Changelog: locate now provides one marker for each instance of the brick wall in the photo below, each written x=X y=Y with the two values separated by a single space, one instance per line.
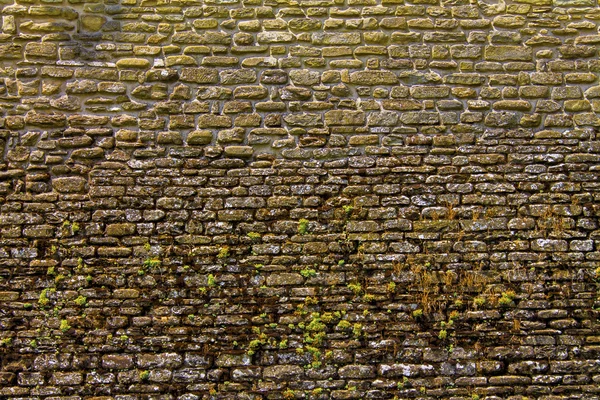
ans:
x=320 y=199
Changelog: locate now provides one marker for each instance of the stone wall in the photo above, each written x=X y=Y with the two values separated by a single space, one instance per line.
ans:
x=321 y=199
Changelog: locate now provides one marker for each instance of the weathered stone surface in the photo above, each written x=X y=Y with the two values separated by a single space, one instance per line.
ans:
x=199 y=137
x=373 y=78
x=421 y=118
x=236 y=77
x=124 y=229
x=250 y=92
x=549 y=245
x=233 y=360
x=117 y=361
x=508 y=53
x=239 y=151
x=284 y=279
x=283 y=372
x=199 y=75
x=214 y=121
x=339 y=117
x=336 y=38
x=160 y=360
x=357 y=372
x=299 y=199
x=69 y=185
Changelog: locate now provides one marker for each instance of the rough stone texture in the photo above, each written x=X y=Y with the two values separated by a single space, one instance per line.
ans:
x=318 y=199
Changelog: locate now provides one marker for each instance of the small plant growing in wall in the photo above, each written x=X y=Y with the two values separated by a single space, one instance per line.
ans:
x=344 y=324
x=402 y=384
x=152 y=262
x=81 y=301
x=66 y=227
x=43 y=299
x=308 y=272
x=453 y=315
x=417 y=314
x=479 y=301
x=443 y=334
x=211 y=281
x=391 y=287
x=64 y=325
x=144 y=375
x=253 y=235
x=355 y=287
x=348 y=209
x=506 y=299
x=303 y=226
x=368 y=297
x=357 y=330
x=223 y=253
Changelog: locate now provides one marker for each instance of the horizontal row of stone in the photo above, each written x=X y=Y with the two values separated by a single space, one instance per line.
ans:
x=299 y=125
x=255 y=18
x=512 y=17
x=173 y=361
x=560 y=73
x=336 y=45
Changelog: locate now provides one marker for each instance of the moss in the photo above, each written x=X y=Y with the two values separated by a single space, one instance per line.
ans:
x=356 y=288
x=303 y=226
x=308 y=272
x=315 y=325
x=43 y=299
x=327 y=317
x=357 y=330
x=253 y=235
x=223 y=253
x=253 y=346
x=81 y=301
x=391 y=287
x=152 y=262
x=211 y=282
x=343 y=324
x=64 y=325
x=144 y=375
